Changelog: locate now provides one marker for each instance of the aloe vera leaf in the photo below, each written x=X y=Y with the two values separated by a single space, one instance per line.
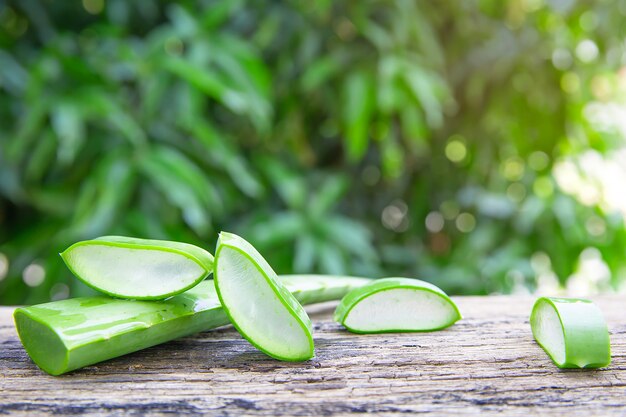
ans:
x=309 y=289
x=392 y=305
x=140 y=269
x=62 y=336
x=572 y=331
x=258 y=305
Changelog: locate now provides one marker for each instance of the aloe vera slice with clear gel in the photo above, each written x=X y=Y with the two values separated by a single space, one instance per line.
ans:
x=259 y=306
x=140 y=269
x=392 y=305
x=572 y=331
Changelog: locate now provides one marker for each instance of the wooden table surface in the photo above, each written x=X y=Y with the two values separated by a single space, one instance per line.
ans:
x=487 y=363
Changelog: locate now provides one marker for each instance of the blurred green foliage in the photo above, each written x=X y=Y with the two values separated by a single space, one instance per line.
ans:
x=374 y=138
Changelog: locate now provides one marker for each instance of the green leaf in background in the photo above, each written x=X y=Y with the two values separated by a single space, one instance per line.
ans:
x=208 y=82
x=67 y=123
x=103 y=197
x=477 y=145
x=358 y=99
x=181 y=182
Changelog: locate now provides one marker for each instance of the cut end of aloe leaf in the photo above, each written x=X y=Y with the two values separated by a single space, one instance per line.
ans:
x=138 y=268
x=258 y=305
x=572 y=332
x=548 y=331
x=51 y=357
x=396 y=305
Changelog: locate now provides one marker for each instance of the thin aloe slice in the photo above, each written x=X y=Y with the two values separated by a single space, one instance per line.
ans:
x=572 y=331
x=139 y=269
x=65 y=335
x=391 y=305
x=258 y=305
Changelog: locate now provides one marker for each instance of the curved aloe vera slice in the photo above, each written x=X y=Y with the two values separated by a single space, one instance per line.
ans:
x=572 y=331
x=392 y=305
x=65 y=335
x=258 y=305
x=139 y=269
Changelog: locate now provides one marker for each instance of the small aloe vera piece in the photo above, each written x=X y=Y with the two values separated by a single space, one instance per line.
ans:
x=139 y=269
x=572 y=331
x=258 y=305
x=391 y=305
x=65 y=335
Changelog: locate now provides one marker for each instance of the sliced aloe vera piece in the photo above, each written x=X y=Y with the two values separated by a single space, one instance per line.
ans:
x=139 y=269
x=572 y=331
x=392 y=305
x=65 y=335
x=258 y=305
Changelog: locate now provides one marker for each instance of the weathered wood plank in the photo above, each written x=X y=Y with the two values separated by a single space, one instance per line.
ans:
x=487 y=363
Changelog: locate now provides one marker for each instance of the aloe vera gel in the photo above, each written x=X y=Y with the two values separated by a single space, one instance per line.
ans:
x=391 y=305
x=572 y=331
x=258 y=305
x=139 y=269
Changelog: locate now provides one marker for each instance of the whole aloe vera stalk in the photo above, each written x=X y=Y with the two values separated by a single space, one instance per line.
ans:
x=66 y=335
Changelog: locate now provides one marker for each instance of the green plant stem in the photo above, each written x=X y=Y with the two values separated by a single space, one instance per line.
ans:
x=70 y=334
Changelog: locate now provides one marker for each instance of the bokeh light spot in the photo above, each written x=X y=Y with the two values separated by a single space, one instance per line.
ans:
x=587 y=50
x=394 y=216
x=513 y=169
x=570 y=83
x=562 y=59
x=516 y=192
x=93 y=6
x=4 y=266
x=543 y=187
x=530 y=6
x=589 y=21
x=465 y=222
x=450 y=209
x=538 y=161
x=59 y=291
x=33 y=275
x=434 y=222
x=455 y=149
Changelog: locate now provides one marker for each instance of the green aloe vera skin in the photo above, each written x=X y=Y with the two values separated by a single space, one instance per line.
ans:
x=572 y=331
x=393 y=305
x=259 y=306
x=139 y=269
x=70 y=334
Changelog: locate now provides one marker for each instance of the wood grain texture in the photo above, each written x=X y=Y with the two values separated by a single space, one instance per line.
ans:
x=486 y=364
